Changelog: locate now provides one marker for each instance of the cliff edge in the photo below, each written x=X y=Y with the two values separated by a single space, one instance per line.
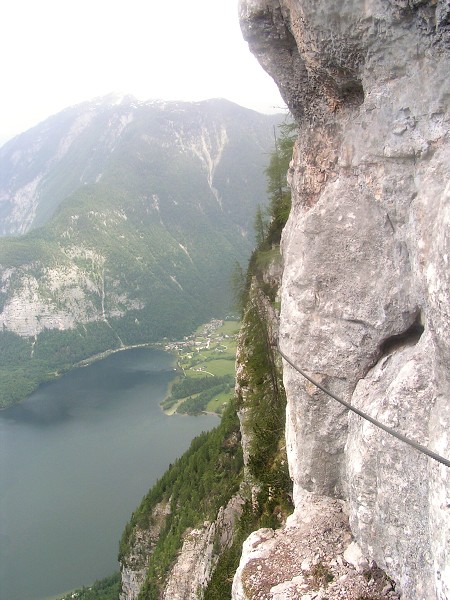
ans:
x=365 y=290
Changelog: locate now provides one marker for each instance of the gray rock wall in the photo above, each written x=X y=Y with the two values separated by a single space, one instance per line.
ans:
x=133 y=568
x=365 y=292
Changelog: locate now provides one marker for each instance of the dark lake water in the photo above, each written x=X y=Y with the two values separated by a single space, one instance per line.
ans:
x=75 y=460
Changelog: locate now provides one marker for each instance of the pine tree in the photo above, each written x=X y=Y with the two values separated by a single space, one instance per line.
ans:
x=277 y=185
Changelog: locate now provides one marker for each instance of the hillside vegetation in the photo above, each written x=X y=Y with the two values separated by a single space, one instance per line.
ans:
x=196 y=486
x=212 y=471
x=142 y=247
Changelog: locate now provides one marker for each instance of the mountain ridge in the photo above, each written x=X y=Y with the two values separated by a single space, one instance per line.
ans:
x=29 y=189
x=142 y=248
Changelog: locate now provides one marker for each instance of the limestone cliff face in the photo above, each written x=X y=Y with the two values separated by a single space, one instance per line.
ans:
x=365 y=303
x=134 y=568
x=61 y=295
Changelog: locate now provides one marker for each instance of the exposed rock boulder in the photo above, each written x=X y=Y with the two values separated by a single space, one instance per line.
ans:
x=365 y=303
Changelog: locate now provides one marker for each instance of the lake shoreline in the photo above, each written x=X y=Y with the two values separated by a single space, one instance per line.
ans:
x=101 y=355
x=89 y=445
x=86 y=362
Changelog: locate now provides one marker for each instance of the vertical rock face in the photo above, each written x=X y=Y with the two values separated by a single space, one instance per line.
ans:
x=365 y=302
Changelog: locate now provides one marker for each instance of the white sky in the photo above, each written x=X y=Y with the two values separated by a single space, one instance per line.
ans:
x=56 y=53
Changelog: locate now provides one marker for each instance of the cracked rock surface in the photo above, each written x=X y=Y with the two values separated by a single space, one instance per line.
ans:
x=365 y=304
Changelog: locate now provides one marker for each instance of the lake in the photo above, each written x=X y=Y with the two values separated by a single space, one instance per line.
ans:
x=75 y=460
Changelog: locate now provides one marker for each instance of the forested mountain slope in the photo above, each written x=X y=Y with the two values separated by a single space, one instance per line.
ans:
x=144 y=210
x=184 y=540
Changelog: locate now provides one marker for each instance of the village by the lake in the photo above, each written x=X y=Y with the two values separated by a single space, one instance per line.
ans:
x=206 y=364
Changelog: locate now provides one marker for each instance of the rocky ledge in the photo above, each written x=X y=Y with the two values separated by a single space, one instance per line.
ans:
x=312 y=558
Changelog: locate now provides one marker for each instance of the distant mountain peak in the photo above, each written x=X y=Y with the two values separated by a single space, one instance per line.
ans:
x=45 y=165
x=116 y=99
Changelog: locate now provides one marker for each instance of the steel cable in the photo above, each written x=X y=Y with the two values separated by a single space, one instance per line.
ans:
x=367 y=417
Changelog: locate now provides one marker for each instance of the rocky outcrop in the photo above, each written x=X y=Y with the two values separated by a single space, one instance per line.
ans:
x=134 y=567
x=60 y=295
x=190 y=574
x=312 y=557
x=365 y=304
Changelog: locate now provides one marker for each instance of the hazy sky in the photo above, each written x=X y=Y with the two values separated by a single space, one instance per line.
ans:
x=56 y=53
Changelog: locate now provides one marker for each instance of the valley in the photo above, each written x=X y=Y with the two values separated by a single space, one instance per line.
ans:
x=157 y=206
